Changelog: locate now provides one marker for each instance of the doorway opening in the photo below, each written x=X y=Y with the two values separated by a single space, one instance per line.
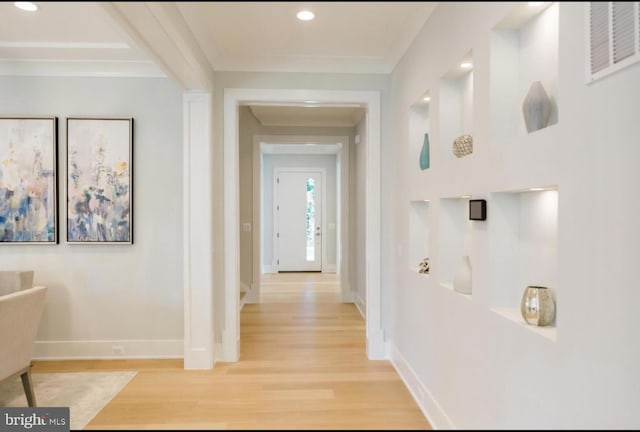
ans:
x=327 y=155
x=370 y=101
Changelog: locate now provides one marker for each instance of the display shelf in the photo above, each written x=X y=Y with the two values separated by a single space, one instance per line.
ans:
x=456 y=104
x=523 y=230
x=449 y=286
x=419 y=233
x=419 y=125
x=454 y=239
x=524 y=49
x=514 y=315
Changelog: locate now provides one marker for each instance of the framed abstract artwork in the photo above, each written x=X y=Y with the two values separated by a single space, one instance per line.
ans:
x=100 y=180
x=28 y=180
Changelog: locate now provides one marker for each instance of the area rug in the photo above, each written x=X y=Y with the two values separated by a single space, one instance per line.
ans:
x=85 y=393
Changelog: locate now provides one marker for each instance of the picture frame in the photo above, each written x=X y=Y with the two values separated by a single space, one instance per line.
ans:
x=99 y=180
x=28 y=180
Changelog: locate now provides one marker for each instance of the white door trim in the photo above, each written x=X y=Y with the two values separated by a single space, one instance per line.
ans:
x=276 y=244
x=233 y=97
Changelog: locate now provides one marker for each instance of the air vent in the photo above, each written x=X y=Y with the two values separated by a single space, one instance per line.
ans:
x=613 y=37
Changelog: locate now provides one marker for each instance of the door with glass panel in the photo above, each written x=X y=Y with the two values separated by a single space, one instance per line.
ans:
x=297 y=220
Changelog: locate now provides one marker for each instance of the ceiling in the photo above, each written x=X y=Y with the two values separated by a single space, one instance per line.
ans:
x=308 y=115
x=188 y=41
x=357 y=37
x=67 y=38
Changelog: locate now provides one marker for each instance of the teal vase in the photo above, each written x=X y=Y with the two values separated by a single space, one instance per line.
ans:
x=424 y=154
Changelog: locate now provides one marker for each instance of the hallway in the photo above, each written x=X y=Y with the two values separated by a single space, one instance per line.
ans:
x=308 y=351
x=302 y=366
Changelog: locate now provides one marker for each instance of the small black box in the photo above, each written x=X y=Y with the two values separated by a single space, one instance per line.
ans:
x=477 y=209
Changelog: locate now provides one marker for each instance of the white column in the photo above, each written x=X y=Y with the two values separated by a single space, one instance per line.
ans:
x=198 y=231
x=231 y=332
x=375 y=333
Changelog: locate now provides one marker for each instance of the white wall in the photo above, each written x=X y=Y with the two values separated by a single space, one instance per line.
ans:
x=104 y=295
x=358 y=210
x=469 y=366
x=270 y=163
x=248 y=127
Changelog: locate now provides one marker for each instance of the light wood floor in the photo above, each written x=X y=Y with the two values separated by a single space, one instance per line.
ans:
x=302 y=366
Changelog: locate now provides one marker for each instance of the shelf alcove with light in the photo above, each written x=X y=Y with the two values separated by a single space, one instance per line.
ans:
x=419 y=125
x=455 y=239
x=419 y=233
x=456 y=105
x=523 y=250
x=524 y=49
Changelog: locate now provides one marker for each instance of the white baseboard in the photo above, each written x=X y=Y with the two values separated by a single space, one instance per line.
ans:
x=229 y=346
x=266 y=269
x=346 y=294
x=244 y=287
x=376 y=345
x=253 y=296
x=110 y=349
x=218 y=351
x=361 y=305
x=425 y=400
x=329 y=268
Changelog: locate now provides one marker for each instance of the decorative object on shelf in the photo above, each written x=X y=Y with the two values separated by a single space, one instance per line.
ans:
x=463 y=145
x=538 y=307
x=424 y=153
x=423 y=268
x=477 y=209
x=462 y=279
x=536 y=107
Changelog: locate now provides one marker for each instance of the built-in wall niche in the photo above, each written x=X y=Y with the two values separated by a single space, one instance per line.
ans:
x=523 y=232
x=524 y=50
x=456 y=104
x=419 y=151
x=418 y=234
x=455 y=239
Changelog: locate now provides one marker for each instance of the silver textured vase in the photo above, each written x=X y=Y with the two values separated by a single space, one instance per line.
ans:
x=536 y=107
x=538 y=307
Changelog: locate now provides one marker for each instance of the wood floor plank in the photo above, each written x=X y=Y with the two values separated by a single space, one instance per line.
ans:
x=302 y=365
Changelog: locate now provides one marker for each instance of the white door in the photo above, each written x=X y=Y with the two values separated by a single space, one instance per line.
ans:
x=298 y=220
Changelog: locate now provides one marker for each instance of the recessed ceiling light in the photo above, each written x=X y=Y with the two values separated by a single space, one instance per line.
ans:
x=466 y=65
x=465 y=196
x=534 y=4
x=306 y=15
x=536 y=189
x=426 y=98
x=28 y=6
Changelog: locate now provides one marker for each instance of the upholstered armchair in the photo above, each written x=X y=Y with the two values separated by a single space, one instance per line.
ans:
x=20 y=314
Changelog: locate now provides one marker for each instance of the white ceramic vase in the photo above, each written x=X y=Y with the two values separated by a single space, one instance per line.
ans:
x=462 y=279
